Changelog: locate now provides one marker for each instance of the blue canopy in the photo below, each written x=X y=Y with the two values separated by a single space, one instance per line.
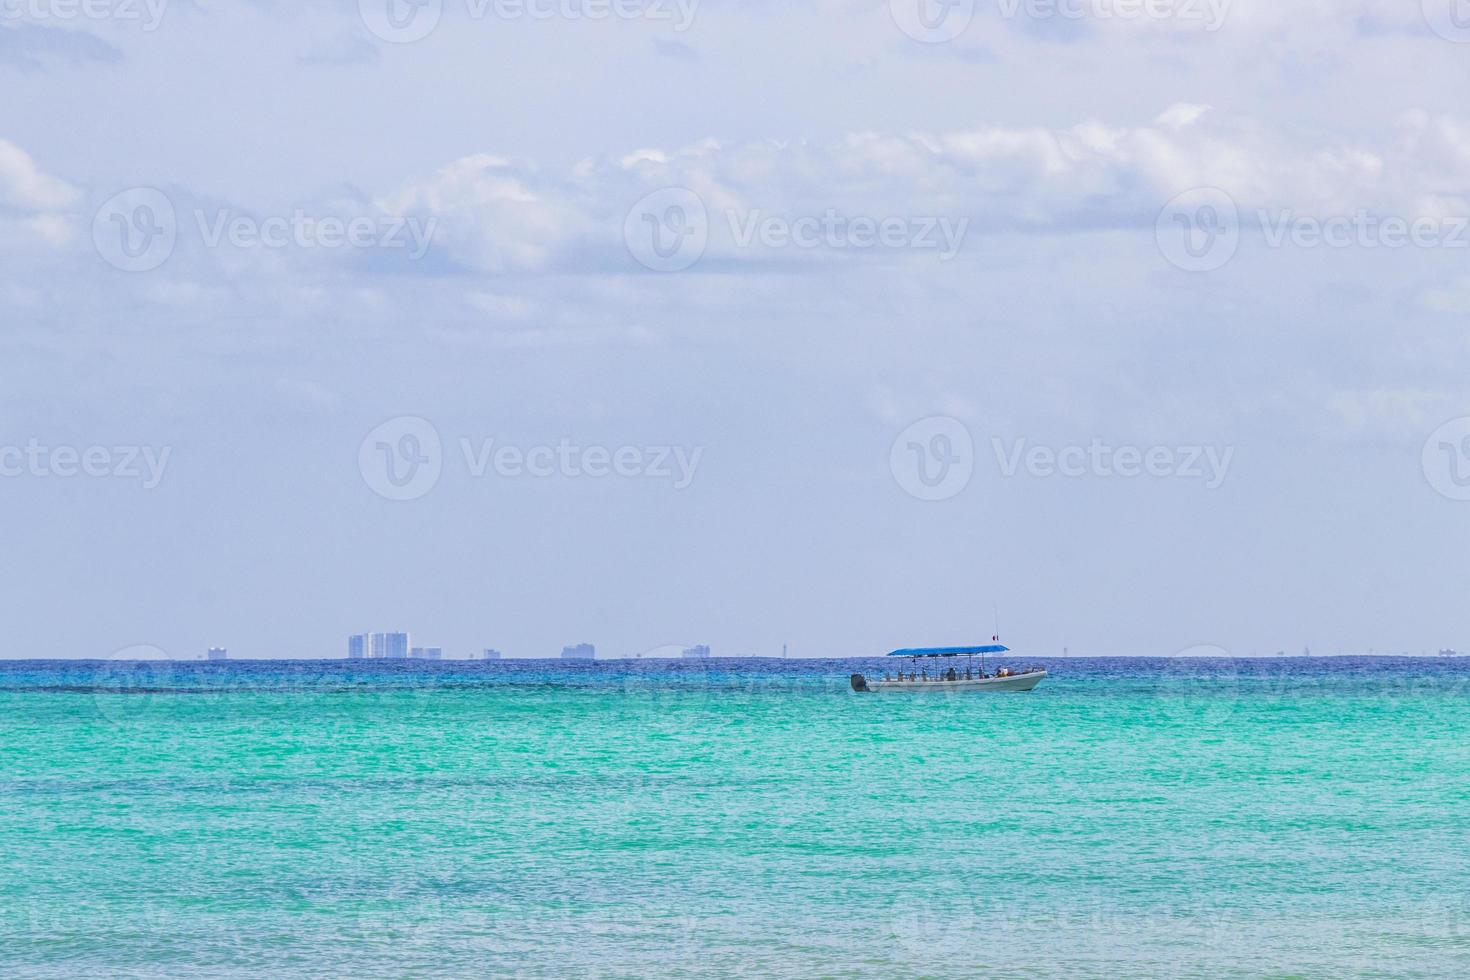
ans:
x=948 y=651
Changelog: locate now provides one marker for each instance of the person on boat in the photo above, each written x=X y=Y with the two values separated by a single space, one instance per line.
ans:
x=951 y=675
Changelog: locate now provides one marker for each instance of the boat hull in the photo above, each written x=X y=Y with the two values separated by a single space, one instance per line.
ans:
x=1016 y=682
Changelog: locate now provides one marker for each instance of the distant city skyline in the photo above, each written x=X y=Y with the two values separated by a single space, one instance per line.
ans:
x=389 y=646
x=588 y=652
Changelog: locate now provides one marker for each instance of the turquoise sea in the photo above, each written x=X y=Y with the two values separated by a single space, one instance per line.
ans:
x=1129 y=818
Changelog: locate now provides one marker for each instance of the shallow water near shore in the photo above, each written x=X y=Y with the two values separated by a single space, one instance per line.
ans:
x=1128 y=817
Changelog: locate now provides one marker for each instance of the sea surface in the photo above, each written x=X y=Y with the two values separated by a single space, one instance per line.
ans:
x=1128 y=818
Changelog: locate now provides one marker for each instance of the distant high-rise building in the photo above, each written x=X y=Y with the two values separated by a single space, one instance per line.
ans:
x=357 y=646
x=218 y=653
x=427 y=653
x=389 y=646
x=700 y=652
x=490 y=654
x=582 y=651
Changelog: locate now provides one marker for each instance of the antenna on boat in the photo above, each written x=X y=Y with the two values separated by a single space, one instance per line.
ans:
x=994 y=637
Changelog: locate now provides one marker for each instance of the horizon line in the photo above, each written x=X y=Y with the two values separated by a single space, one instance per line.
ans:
x=1438 y=655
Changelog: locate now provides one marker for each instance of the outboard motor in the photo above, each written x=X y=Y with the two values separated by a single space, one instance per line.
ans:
x=859 y=683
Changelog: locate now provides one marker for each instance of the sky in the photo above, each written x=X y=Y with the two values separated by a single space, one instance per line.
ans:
x=1137 y=326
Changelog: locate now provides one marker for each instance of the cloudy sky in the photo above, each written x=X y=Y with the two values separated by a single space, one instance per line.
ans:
x=836 y=323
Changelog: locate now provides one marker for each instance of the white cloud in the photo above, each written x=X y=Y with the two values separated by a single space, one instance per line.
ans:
x=500 y=217
x=23 y=186
x=35 y=47
x=53 y=229
x=34 y=206
x=497 y=216
x=1181 y=114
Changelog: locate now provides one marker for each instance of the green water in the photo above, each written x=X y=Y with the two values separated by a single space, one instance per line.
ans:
x=1120 y=821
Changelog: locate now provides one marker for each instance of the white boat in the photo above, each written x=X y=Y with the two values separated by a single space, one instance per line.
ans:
x=1021 y=681
x=920 y=680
